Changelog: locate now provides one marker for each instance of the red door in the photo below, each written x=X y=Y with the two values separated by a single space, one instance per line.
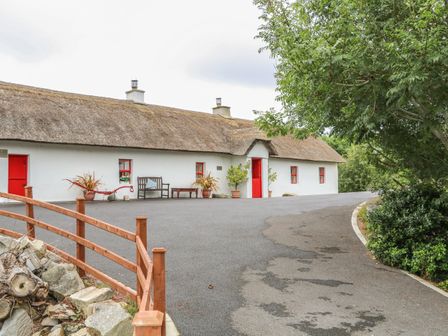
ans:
x=17 y=174
x=256 y=179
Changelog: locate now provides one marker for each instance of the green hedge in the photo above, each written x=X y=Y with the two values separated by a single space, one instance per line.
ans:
x=409 y=230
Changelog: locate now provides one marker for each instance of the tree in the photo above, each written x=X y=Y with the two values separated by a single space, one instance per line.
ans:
x=374 y=72
x=362 y=171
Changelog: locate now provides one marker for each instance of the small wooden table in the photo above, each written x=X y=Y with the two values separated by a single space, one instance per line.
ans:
x=179 y=190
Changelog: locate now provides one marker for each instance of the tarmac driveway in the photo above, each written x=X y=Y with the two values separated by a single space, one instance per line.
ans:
x=281 y=266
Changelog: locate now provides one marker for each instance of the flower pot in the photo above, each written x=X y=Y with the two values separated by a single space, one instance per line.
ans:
x=236 y=194
x=269 y=193
x=89 y=195
x=206 y=193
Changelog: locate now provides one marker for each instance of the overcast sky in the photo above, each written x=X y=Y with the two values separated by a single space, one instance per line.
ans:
x=184 y=53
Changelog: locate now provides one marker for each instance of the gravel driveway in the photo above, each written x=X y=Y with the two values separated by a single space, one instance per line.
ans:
x=280 y=266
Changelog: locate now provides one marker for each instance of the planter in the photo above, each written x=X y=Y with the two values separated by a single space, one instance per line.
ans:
x=206 y=193
x=236 y=194
x=269 y=193
x=89 y=195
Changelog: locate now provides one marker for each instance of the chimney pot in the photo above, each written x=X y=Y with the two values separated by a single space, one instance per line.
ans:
x=134 y=84
x=218 y=101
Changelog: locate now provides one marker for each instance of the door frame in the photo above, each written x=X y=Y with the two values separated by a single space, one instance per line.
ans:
x=27 y=177
x=260 y=168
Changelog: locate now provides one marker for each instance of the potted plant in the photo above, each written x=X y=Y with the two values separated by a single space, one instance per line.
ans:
x=89 y=184
x=237 y=175
x=272 y=177
x=208 y=184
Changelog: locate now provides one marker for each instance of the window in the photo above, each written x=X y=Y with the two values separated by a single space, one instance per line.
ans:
x=293 y=174
x=125 y=170
x=321 y=175
x=199 y=169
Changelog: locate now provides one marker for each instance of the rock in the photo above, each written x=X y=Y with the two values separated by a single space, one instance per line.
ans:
x=60 y=312
x=71 y=328
x=62 y=278
x=31 y=259
x=38 y=247
x=49 y=322
x=6 y=243
x=90 y=295
x=19 y=324
x=57 y=331
x=81 y=332
x=109 y=319
x=42 y=332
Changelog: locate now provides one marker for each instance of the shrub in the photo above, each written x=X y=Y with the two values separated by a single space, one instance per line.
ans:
x=443 y=285
x=237 y=175
x=409 y=229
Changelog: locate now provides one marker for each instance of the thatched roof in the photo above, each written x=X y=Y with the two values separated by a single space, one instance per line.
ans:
x=41 y=115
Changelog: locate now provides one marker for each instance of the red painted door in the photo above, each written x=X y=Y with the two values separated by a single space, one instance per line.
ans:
x=257 y=185
x=17 y=174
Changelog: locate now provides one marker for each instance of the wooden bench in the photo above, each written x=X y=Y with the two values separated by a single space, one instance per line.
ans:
x=179 y=190
x=143 y=188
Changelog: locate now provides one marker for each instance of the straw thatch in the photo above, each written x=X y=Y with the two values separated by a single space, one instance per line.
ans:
x=41 y=115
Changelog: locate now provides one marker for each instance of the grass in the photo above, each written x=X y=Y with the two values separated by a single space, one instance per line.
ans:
x=131 y=307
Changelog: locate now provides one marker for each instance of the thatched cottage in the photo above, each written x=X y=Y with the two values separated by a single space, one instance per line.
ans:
x=47 y=136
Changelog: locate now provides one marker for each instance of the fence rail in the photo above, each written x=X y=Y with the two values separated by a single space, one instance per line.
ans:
x=149 y=295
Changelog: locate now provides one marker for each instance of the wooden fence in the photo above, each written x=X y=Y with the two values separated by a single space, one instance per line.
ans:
x=150 y=273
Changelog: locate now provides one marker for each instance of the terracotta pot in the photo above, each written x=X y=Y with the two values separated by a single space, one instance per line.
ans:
x=206 y=193
x=236 y=194
x=269 y=193
x=89 y=195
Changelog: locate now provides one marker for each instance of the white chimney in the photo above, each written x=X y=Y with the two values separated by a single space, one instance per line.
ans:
x=136 y=95
x=221 y=110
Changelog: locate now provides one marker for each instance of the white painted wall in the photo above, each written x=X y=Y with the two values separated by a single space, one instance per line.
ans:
x=3 y=173
x=50 y=164
x=308 y=177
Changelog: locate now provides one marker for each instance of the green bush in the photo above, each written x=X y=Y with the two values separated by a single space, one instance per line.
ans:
x=443 y=285
x=409 y=229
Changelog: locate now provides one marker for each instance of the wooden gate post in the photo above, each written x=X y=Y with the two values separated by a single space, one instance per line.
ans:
x=158 y=255
x=81 y=232
x=29 y=213
x=148 y=323
x=141 y=227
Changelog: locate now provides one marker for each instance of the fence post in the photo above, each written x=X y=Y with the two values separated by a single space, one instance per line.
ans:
x=30 y=213
x=148 y=323
x=81 y=232
x=158 y=255
x=141 y=227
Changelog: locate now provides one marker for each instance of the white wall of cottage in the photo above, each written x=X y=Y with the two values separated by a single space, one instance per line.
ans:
x=50 y=164
x=308 y=182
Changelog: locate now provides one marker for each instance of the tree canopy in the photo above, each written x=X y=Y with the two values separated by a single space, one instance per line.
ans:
x=371 y=71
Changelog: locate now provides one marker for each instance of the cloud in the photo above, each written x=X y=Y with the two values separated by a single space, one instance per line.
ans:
x=235 y=65
x=22 y=41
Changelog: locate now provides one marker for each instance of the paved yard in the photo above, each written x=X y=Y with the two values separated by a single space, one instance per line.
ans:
x=286 y=266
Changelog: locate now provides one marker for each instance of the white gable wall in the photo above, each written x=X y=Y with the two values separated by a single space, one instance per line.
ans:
x=259 y=151
x=308 y=177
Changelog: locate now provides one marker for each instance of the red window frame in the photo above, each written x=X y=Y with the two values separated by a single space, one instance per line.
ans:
x=321 y=175
x=200 y=168
x=294 y=174
x=124 y=170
